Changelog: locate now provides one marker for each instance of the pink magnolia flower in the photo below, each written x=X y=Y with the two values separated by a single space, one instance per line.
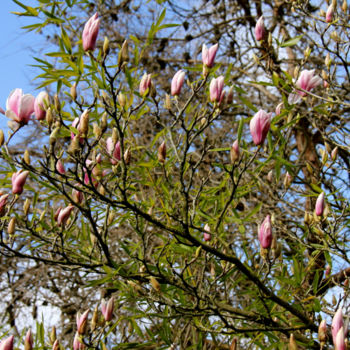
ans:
x=177 y=82
x=107 y=309
x=234 y=153
x=306 y=81
x=41 y=103
x=81 y=322
x=19 y=107
x=340 y=340
x=113 y=150
x=320 y=204
x=3 y=202
x=208 y=55
x=7 y=344
x=260 y=30
x=145 y=84
x=60 y=167
x=77 y=196
x=90 y=33
x=18 y=181
x=259 y=126
x=216 y=89
x=329 y=13
x=265 y=233
x=77 y=344
x=337 y=323
x=63 y=215
x=207 y=235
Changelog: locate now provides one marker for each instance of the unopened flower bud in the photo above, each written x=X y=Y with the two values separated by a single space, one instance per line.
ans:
x=229 y=96
x=335 y=36
x=269 y=176
x=334 y=154
x=49 y=116
x=287 y=180
x=104 y=122
x=84 y=123
x=127 y=156
x=54 y=135
x=307 y=52
x=167 y=102
x=162 y=152
x=234 y=152
x=11 y=226
x=292 y=343
x=105 y=47
x=123 y=55
x=265 y=233
x=94 y=319
x=82 y=321
x=73 y=91
x=57 y=103
x=26 y=206
x=26 y=157
x=260 y=31
x=28 y=340
x=328 y=61
x=329 y=14
x=2 y=137
x=320 y=204
x=207 y=235
x=56 y=345
x=322 y=332
x=107 y=309
x=344 y=6
x=155 y=284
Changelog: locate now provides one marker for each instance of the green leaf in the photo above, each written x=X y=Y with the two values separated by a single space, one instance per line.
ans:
x=292 y=42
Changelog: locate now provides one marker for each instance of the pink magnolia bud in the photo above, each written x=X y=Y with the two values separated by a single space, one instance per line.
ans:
x=64 y=215
x=216 y=89
x=145 y=84
x=260 y=30
x=208 y=55
x=334 y=154
x=328 y=271
x=77 y=344
x=28 y=340
x=337 y=323
x=307 y=81
x=259 y=126
x=177 y=82
x=3 y=202
x=278 y=108
x=77 y=196
x=265 y=233
x=234 y=153
x=207 y=235
x=18 y=181
x=329 y=13
x=82 y=321
x=19 y=107
x=113 y=150
x=41 y=104
x=60 y=167
x=320 y=204
x=56 y=345
x=90 y=33
x=340 y=340
x=7 y=344
x=107 y=309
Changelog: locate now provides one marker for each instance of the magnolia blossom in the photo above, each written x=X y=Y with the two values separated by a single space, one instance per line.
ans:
x=77 y=343
x=177 y=82
x=18 y=181
x=208 y=55
x=216 y=89
x=320 y=204
x=90 y=33
x=3 y=202
x=234 y=152
x=207 y=235
x=81 y=322
x=259 y=126
x=145 y=84
x=7 y=344
x=340 y=340
x=329 y=13
x=306 y=81
x=28 y=340
x=265 y=233
x=337 y=323
x=260 y=30
x=107 y=309
x=19 y=107
x=63 y=215
x=41 y=104
x=113 y=150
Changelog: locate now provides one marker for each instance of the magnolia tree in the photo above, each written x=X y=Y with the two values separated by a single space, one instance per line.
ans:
x=206 y=200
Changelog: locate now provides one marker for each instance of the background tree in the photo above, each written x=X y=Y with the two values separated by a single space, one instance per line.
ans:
x=203 y=242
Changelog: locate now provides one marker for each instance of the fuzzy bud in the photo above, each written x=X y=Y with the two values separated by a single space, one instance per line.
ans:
x=105 y=47
x=234 y=152
x=207 y=235
x=121 y=99
x=123 y=55
x=26 y=206
x=11 y=226
x=73 y=91
x=162 y=152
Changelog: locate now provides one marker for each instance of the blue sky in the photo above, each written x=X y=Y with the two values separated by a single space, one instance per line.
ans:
x=16 y=51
